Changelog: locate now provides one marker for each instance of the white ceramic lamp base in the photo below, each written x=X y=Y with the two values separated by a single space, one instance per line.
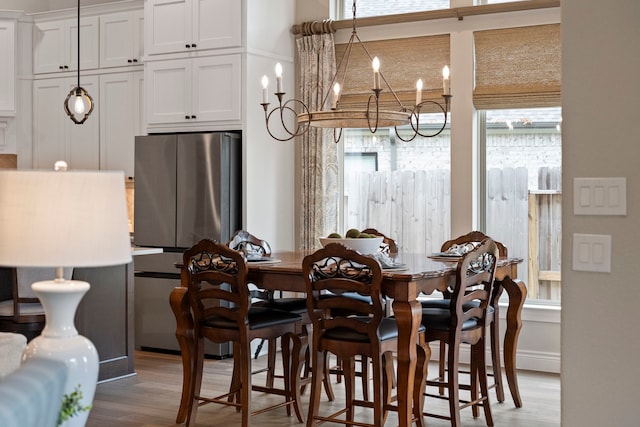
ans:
x=60 y=340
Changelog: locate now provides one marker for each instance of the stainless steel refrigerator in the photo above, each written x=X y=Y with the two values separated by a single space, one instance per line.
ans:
x=187 y=187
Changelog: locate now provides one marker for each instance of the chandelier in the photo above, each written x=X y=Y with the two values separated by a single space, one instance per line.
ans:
x=330 y=115
x=78 y=104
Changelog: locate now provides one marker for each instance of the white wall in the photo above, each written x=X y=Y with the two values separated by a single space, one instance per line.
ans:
x=601 y=138
x=268 y=164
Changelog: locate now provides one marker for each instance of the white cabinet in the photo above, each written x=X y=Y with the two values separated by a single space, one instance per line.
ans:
x=56 y=45
x=7 y=67
x=190 y=25
x=121 y=38
x=205 y=89
x=121 y=116
x=55 y=136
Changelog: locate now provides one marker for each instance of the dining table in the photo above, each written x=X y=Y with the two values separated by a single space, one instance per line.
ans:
x=412 y=277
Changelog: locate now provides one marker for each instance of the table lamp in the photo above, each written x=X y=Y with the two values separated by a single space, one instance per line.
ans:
x=64 y=219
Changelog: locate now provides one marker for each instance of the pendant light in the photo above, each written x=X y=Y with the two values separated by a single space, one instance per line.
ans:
x=79 y=103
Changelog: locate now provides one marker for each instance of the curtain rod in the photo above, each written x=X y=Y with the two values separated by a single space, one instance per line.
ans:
x=330 y=26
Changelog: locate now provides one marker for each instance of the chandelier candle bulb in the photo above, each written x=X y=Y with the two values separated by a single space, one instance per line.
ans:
x=376 y=73
x=336 y=96
x=278 y=78
x=265 y=87
x=446 y=83
x=419 y=91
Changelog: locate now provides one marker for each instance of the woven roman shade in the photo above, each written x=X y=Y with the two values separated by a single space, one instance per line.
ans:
x=402 y=62
x=517 y=67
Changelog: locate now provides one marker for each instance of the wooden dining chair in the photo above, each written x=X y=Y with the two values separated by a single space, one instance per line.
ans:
x=389 y=247
x=215 y=278
x=348 y=327
x=473 y=238
x=464 y=321
x=250 y=245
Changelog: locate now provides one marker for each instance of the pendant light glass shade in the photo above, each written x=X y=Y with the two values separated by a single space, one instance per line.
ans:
x=78 y=105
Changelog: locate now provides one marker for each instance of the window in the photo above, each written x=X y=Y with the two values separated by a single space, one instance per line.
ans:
x=408 y=196
x=361 y=162
x=523 y=184
x=385 y=7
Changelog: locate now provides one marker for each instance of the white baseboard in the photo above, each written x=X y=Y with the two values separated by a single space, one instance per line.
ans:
x=527 y=360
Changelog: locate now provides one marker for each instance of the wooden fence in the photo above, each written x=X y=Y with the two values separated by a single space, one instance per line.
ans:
x=414 y=207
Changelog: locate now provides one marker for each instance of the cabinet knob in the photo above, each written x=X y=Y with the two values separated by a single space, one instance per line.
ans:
x=193 y=45
x=135 y=60
x=129 y=61
x=61 y=67
x=187 y=117
x=66 y=67
x=187 y=46
x=193 y=117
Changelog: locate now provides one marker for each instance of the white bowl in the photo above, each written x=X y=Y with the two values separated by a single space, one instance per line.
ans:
x=367 y=246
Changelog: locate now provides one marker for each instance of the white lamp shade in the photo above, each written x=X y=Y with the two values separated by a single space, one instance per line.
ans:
x=63 y=219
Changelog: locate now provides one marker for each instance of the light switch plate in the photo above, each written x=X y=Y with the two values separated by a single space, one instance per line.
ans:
x=600 y=196
x=592 y=252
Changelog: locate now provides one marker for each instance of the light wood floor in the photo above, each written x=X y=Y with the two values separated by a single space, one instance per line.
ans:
x=151 y=398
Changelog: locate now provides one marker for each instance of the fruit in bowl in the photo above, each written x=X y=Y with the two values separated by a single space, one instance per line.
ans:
x=362 y=242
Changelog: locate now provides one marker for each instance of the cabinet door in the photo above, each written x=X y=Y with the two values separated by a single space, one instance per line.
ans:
x=7 y=67
x=139 y=107
x=226 y=32
x=138 y=34
x=117 y=117
x=168 y=26
x=89 y=43
x=168 y=91
x=49 y=122
x=56 y=45
x=217 y=88
x=49 y=45
x=121 y=39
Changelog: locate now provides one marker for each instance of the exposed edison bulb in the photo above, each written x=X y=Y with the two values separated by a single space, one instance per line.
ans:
x=78 y=105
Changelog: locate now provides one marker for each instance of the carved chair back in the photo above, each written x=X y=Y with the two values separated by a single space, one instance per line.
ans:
x=216 y=278
x=339 y=270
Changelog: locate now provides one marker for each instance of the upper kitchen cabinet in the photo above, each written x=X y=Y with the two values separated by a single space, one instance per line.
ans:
x=7 y=68
x=121 y=39
x=192 y=91
x=192 y=25
x=56 y=45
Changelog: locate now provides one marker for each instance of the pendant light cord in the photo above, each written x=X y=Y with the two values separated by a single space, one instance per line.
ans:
x=78 y=43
